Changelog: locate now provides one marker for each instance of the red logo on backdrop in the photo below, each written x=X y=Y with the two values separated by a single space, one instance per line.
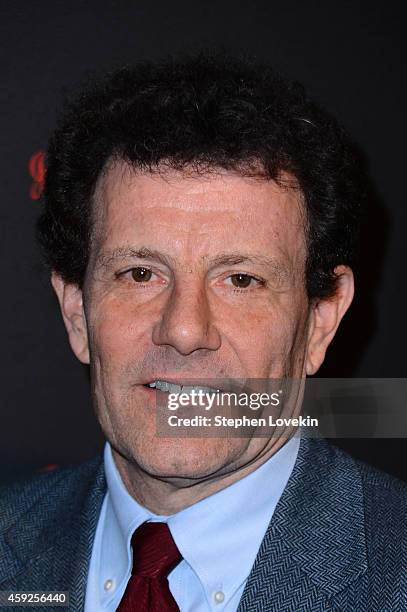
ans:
x=48 y=468
x=36 y=168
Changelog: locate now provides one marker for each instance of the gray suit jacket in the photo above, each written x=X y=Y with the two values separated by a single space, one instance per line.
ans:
x=336 y=542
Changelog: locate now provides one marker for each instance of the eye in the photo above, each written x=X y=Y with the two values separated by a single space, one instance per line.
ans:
x=243 y=281
x=141 y=275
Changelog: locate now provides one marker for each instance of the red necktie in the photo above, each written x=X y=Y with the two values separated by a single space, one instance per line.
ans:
x=155 y=554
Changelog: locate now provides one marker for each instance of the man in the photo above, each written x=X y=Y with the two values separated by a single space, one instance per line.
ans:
x=200 y=223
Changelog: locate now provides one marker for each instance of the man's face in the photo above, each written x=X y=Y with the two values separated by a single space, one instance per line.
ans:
x=190 y=277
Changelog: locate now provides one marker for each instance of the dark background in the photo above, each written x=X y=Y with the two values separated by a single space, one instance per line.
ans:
x=351 y=57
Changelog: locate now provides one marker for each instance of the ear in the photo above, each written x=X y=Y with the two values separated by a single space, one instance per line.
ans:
x=326 y=314
x=73 y=314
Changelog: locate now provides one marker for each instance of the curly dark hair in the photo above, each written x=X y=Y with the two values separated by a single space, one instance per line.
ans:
x=205 y=111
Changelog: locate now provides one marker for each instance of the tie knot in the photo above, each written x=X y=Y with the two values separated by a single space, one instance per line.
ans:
x=155 y=553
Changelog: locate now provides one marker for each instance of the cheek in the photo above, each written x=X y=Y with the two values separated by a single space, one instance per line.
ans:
x=266 y=339
x=118 y=331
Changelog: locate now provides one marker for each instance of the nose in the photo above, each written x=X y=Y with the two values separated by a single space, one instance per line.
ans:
x=186 y=323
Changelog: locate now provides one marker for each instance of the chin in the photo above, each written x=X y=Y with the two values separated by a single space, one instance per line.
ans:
x=185 y=458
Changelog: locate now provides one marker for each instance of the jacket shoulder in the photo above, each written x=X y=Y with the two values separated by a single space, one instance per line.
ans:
x=382 y=492
x=383 y=585
x=61 y=485
x=385 y=500
x=380 y=488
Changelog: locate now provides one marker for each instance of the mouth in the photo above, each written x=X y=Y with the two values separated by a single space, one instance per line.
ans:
x=172 y=387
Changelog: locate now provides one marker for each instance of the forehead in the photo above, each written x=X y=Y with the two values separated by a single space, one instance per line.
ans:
x=197 y=213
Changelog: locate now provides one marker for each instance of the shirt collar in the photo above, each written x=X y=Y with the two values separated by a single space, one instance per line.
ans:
x=237 y=517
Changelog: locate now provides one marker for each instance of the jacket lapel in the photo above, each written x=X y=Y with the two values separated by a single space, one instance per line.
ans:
x=49 y=546
x=314 y=547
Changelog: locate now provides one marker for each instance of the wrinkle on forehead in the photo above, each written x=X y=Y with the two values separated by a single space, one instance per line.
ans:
x=194 y=181
x=222 y=192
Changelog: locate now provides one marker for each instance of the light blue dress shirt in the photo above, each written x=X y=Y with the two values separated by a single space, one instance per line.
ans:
x=218 y=537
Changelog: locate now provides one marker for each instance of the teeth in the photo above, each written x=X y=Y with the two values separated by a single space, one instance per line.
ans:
x=166 y=387
x=189 y=389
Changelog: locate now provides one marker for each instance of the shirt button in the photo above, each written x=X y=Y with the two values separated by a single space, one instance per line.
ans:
x=219 y=597
x=108 y=585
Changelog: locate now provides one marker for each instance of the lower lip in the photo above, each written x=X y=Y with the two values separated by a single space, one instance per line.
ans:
x=149 y=390
x=152 y=391
x=155 y=397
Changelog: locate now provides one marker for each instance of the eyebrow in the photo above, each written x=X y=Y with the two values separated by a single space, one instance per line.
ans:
x=106 y=258
x=232 y=259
